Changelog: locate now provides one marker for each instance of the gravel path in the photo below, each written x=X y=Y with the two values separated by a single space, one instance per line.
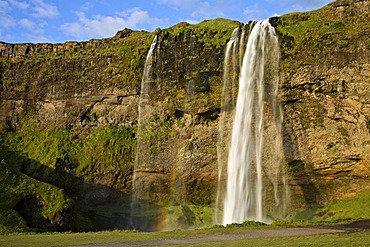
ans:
x=247 y=234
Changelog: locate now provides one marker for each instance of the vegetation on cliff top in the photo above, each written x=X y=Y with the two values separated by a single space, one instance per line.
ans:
x=326 y=35
x=117 y=61
x=113 y=62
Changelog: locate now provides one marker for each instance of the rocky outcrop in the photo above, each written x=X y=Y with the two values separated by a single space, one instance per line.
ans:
x=17 y=51
x=71 y=83
x=352 y=7
x=29 y=209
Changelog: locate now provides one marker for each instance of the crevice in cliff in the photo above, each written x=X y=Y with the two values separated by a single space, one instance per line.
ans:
x=210 y=115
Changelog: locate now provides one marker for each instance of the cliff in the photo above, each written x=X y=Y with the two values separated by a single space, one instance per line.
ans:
x=326 y=100
x=70 y=113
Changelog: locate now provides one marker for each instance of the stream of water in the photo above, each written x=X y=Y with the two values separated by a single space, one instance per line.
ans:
x=255 y=153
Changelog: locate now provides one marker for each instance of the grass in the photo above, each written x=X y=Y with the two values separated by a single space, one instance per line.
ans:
x=337 y=212
x=339 y=239
x=360 y=238
x=355 y=207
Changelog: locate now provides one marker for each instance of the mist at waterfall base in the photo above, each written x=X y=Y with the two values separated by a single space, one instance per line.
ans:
x=254 y=185
x=251 y=180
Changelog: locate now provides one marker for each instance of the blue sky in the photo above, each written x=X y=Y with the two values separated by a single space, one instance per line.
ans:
x=55 y=21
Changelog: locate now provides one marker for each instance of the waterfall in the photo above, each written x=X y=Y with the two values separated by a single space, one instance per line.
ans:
x=255 y=155
x=144 y=111
x=232 y=62
x=143 y=164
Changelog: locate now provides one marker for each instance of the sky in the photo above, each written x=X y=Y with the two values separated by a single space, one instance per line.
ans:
x=58 y=21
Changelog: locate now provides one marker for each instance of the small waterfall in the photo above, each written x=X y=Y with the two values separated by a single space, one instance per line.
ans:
x=255 y=157
x=140 y=193
x=147 y=81
x=147 y=84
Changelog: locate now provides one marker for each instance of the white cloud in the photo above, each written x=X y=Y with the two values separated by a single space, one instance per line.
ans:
x=206 y=10
x=4 y=36
x=26 y=23
x=190 y=21
x=37 y=37
x=19 y=4
x=6 y=21
x=33 y=31
x=43 y=10
x=28 y=16
x=105 y=26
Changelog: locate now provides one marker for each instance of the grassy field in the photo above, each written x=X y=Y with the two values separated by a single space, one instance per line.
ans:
x=354 y=238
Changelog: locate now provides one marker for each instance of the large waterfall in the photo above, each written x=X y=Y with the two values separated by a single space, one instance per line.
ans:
x=255 y=174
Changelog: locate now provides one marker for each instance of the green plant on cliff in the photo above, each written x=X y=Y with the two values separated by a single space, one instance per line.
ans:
x=212 y=33
x=107 y=150
x=86 y=63
x=189 y=73
x=15 y=186
x=57 y=157
x=44 y=146
x=155 y=131
x=320 y=35
x=1 y=75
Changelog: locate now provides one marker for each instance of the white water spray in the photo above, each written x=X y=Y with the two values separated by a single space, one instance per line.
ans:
x=253 y=159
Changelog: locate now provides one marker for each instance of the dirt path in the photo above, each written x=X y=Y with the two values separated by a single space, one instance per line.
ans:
x=247 y=234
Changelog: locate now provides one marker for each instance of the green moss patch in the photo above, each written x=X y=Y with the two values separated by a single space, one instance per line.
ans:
x=15 y=187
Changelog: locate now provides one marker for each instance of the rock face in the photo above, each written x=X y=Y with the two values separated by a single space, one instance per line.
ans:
x=354 y=6
x=82 y=88
x=326 y=106
x=67 y=84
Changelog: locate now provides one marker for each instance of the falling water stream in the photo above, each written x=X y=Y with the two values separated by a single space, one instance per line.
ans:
x=140 y=190
x=231 y=66
x=255 y=152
